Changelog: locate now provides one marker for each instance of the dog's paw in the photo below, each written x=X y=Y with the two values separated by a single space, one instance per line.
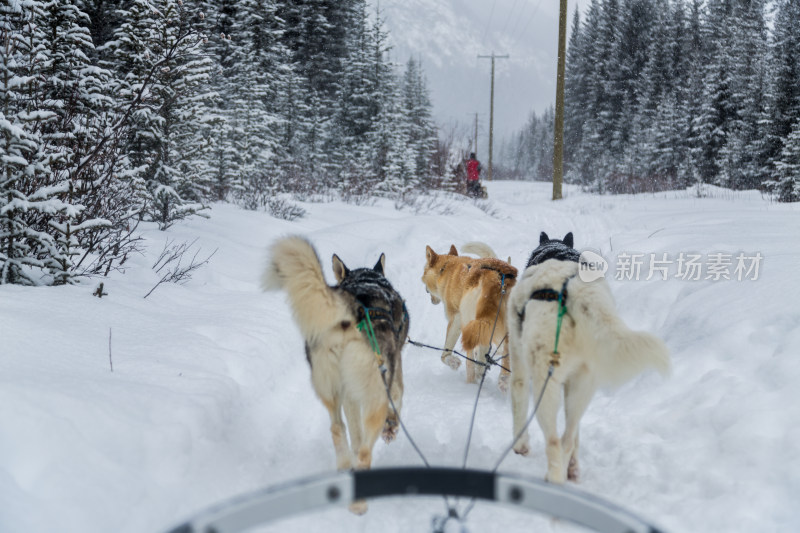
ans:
x=522 y=448
x=358 y=507
x=451 y=360
x=389 y=431
x=502 y=382
x=573 y=471
x=555 y=475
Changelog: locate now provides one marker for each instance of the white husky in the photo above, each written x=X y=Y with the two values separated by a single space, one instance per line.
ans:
x=595 y=348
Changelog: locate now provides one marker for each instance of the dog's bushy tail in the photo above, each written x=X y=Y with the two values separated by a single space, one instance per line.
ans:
x=294 y=266
x=628 y=353
x=481 y=249
x=633 y=353
x=621 y=352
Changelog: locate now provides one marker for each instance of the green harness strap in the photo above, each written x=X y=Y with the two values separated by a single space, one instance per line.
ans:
x=366 y=326
x=562 y=310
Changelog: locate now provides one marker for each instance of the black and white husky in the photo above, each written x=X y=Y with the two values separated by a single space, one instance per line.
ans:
x=595 y=349
x=337 y=324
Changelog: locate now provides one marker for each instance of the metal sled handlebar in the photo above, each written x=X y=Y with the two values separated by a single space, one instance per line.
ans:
x=342 y=488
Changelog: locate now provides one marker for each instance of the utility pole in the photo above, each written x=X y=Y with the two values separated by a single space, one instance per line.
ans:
x=558 y=136
x=491 y=111
x=475 y=139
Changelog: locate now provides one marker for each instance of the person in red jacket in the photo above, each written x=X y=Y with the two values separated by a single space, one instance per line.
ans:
x=473 y=176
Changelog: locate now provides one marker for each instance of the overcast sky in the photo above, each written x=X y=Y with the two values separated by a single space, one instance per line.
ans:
x=448 y=35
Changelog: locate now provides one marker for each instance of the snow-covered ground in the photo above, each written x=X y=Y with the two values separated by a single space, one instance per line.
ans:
x=210 y=395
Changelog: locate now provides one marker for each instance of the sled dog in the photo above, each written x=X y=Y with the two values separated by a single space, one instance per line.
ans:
x=335 y=322
x=471 y=291
x=595 y=349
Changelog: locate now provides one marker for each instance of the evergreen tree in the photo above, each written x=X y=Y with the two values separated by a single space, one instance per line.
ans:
x=26 y=197
x=786 y=184
x=783 y=98
x=157 y=45
x=576 y=100
x=417 y=112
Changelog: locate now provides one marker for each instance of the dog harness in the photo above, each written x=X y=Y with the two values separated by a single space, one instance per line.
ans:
x=366 y=315
x=379 y=313
x=550 y=295
x=504 y=275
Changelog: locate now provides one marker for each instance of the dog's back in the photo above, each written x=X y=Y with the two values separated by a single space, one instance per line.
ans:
x=493 y=280
x=374 y=297
x=592 y=332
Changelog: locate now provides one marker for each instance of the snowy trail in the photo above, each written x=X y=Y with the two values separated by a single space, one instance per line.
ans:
x=210 y=394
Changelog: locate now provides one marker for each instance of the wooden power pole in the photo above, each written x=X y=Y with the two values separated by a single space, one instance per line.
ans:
x=491 y=112
x=558 y=136
x=475 y=141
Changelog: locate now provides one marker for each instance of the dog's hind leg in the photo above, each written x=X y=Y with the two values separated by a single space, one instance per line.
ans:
x=344 y=458
x=352 y=411
x=392 y=424
x=520 y=394
x=547 y=416
x=374 y=421
x=505 y=375
x=578 y=392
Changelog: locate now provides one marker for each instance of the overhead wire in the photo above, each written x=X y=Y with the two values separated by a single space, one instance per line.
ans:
x=527 y=23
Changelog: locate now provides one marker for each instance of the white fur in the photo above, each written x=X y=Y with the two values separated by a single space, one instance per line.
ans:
x=596 y=350
x=344 y=369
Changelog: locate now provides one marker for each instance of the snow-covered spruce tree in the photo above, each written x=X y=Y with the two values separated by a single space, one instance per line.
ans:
x=421 y=130
x=659 y=149
x=742 y=156
x=26 y=194
x=224 y=160
x=587 y=154
x=70 y=201
x=576 y=108
x=728 y=126
x=786 y=185
x=394 y=161
x=93 y=234
x=392 y=149
x=630 y=55
x=250 y=83
x=783 y=99
x=158 y=46
x=318 y=36
x=363 y=81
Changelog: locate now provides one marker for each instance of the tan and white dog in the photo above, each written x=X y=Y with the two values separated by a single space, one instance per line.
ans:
x=345 y=371
x=474 y=292
x=595 y=349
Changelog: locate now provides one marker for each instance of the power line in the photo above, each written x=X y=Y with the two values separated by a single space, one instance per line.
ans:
x=527 y=23
x=489 y=21
x=508 y=19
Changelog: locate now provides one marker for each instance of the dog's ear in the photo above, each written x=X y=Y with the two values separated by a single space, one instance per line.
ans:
x=380 y=265
x=543 y=238
x=568 y=240
x=339 y=270
x=453 y=250
x=430 y=255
